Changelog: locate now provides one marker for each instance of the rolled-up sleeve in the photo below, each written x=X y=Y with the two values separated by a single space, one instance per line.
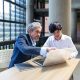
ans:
x=71 y=45
x=43 y=50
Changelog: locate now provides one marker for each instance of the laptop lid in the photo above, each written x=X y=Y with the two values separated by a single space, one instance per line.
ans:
x=53 y=57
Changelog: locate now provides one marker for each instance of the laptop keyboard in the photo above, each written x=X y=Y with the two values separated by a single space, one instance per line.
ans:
x=39 y=61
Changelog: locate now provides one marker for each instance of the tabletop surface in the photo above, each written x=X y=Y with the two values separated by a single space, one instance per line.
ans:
x=55 y=72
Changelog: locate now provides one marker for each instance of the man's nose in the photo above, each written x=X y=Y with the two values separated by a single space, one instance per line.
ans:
x=38 y=34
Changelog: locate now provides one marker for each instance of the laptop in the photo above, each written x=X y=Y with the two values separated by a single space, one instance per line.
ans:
x=39 y=61
x=23 y=66
x=53 y=57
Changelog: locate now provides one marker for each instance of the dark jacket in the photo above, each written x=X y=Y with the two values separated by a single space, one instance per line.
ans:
x=23 y=50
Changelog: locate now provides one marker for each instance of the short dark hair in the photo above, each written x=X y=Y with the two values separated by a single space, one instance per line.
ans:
x=55 y=26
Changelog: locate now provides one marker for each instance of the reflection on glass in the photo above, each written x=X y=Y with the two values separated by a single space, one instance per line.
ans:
x=24 y=3
x=21 y=2
x=17 y=13
x=1 y=9
x=17 y=1
x=12 y=31
x=22 y=28
x=12 y=12
x=24 y=17
x=1 y=31
x=6 y=11
x=7 y=31
x=21 y=15
x=17 y=30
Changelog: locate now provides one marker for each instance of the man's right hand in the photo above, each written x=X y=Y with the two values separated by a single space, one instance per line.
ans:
x=50 y=48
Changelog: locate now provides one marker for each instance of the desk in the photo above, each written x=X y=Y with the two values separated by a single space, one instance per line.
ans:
x=57 y=72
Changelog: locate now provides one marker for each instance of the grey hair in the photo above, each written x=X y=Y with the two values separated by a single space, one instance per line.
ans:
x=33 y=26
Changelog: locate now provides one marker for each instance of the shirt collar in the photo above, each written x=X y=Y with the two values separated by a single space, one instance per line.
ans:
x=62 y=38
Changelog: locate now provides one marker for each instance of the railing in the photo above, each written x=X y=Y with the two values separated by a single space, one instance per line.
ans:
x=10 y=44
x=7 y=44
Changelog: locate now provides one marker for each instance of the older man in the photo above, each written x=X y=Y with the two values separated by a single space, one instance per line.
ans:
x=25 y=44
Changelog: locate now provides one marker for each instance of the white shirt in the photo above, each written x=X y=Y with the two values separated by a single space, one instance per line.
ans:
x=33 y=42
x=64 y=42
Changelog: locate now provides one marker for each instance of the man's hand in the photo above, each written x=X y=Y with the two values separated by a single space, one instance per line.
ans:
x=50 y=48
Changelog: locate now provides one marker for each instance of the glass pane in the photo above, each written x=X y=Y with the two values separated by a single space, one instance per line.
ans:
x=17 y=29
x=7 y=31
x=6 y=11
x=1 y=9
x=21 y=14
x=24 y=29
x=24 y=3
x=12 y=31
x=17 y=1
x=21 y=29
x=1 y=31
x=17 y=13
x=21 y=3
x=24 y=16
x=12 y=12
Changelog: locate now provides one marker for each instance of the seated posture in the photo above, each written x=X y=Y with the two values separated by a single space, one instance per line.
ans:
x=25 y=45
x=58 y=40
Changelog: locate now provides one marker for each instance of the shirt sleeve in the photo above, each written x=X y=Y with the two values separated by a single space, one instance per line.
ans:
x=71 y=45
x=43 y=50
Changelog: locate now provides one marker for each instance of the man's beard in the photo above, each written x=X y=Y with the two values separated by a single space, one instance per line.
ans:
x=36 y=39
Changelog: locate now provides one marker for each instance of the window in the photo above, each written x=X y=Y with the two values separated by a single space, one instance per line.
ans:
x=12 y=31
x=12 y=19
x=1 y=31
x=12 y=12
x=7 y=30
x=6 y=11
x=1 y=9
